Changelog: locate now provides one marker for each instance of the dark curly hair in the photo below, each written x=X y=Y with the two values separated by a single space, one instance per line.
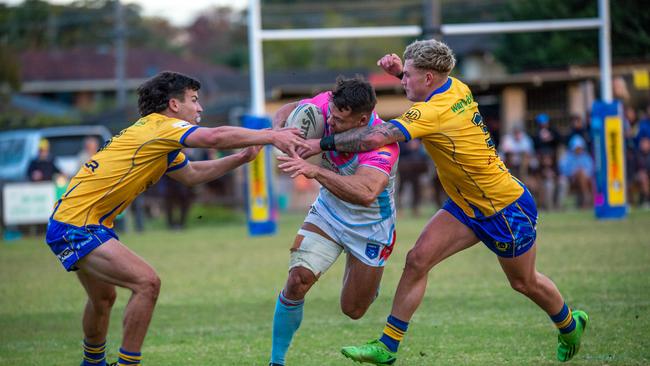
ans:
x=155 y=93
x=355 y=94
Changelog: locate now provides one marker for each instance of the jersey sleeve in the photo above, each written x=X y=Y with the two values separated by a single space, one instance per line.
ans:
x=176 y=131
x=320 y=100
x=176 y=160
x=418 y=121
x=382 y=159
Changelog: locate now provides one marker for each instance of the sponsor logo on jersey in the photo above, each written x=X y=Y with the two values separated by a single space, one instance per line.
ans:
x=412 y=114
x=181 y=124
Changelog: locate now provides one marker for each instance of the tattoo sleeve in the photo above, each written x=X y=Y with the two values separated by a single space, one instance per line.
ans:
x=368 y=138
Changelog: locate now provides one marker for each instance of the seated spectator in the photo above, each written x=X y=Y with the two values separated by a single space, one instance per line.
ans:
x=576 y=171
x=643 y=171
x=42 y=168
x=644 y=126
x=580 y=128
x=518 y=153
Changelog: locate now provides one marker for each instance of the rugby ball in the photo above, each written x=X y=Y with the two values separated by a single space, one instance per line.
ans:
x=309 y=119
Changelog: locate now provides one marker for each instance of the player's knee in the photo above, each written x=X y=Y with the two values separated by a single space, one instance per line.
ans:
x=149 y=286
x=104 y=303
x=523 y=286
x=299 y=282
x=417 y=263
x=354 y=312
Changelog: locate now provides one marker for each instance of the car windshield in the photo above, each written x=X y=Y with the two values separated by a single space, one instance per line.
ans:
x=68 y=145
x=12 y=151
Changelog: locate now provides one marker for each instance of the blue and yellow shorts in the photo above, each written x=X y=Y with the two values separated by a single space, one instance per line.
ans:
x=510 y=232
x=71 y=243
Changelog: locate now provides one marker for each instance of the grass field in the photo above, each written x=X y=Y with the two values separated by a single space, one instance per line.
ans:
x=219 y=290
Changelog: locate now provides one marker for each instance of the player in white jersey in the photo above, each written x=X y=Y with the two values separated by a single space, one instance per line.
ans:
x=354 y=212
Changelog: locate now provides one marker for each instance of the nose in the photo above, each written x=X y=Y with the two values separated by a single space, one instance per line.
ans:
x=199 y=109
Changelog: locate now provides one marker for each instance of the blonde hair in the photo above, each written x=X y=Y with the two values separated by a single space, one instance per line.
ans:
x=431 y=55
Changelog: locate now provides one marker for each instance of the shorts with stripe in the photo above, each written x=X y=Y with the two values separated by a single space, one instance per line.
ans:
x=509 y=233
x=71 y=243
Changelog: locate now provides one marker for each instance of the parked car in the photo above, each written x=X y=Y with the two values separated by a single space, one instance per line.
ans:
x=19 y=147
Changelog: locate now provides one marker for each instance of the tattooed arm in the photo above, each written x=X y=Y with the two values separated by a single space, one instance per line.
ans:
x=368 y=138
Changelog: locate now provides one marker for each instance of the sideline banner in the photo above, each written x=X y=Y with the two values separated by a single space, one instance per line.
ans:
x=610 y=200
x=261 y=210
x=28 y=202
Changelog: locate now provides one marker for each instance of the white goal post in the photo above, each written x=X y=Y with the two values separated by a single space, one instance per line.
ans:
x=256 y=36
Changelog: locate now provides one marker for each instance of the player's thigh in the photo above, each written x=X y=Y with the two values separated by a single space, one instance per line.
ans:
x=114 y=263
x=360 y=281
x=443 y=236
x=520 y=268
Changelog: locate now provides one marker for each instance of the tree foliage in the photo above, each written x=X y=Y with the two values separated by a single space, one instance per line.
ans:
x=630 y=34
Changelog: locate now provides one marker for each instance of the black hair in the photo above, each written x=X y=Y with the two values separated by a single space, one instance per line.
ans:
x=355 y=94
x=155 y=93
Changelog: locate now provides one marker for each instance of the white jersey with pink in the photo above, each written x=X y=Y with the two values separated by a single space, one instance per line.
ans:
x=383 y=159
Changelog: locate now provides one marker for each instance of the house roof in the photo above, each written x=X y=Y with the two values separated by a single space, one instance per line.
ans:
x=99 y=64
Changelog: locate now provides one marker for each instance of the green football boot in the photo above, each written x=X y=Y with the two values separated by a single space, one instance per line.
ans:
x=374 y=352
x=569 y=344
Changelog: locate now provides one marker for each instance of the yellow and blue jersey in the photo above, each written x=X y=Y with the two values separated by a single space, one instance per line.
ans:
x=453 y=132
x=126 y=166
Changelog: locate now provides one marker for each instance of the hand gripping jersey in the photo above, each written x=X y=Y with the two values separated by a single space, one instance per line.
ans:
x=383 y=159
x=454 y=135
x=126 y=166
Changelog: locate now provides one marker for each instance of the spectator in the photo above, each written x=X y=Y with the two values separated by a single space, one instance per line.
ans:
x=576 y=171
x=91 y=145
x=413 y=164
x=547 y=138
x=42 y=168
x=643 y=171
x=548 y=177
x=644 y=125
x=518 y=152
x=580 y=128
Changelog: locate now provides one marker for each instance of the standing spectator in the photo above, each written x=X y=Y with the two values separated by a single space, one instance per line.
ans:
x=644 y=125
x=576 y=171
x=412 y=165
x=42 y=168
x=91 y=145
x=547 y=138
x=643 y=171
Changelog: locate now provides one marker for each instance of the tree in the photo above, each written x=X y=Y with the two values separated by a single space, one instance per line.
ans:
x=525 y=51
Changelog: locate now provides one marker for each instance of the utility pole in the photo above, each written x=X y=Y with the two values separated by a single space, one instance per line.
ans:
x=120 y=55
x=432 y=20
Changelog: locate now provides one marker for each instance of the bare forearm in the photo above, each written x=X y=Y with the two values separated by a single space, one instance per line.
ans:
x=229 y=137
x=209 y=170
x=367 y=138
x=348 y=188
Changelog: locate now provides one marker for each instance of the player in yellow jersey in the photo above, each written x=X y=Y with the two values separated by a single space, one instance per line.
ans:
x=486 y=202
x=80 y=229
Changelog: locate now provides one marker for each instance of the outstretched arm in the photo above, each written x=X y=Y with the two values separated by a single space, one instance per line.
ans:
x=197 y=172
x=230 y=137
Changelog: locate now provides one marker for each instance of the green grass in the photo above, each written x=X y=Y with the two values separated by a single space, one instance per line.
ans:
x=219 y=290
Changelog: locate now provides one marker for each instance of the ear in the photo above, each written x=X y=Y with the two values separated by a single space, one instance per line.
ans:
x=173 y=105
x=430 y=78
x=363 y=120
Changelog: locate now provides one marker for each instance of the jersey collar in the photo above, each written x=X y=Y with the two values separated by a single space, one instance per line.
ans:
x=441 y=89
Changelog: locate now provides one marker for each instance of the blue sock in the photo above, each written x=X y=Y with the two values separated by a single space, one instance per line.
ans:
x=286 y=321
x=94 y=354
x=564 y=320
x=128 y=358
x=393 y=333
